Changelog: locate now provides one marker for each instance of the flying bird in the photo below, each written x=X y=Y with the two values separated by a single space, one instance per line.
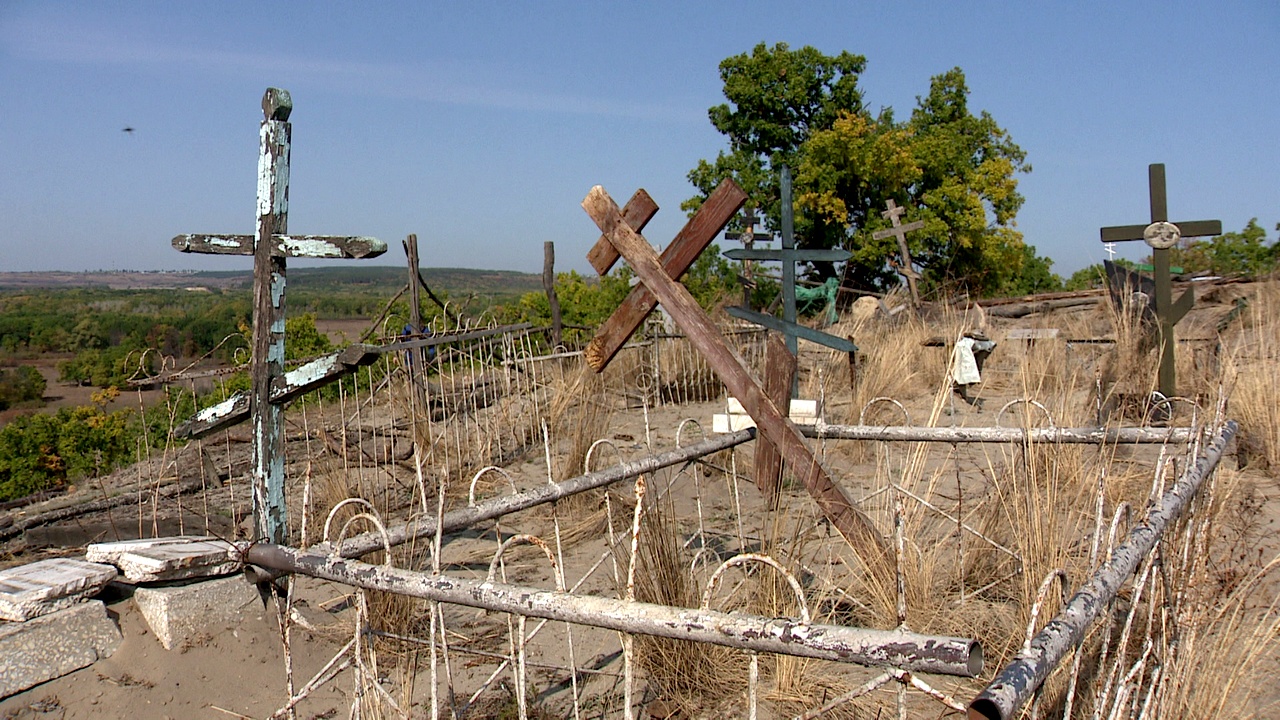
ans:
x=128 y=130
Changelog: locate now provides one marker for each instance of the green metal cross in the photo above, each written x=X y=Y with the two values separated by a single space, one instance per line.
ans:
x=789 y=255
x=1162 y=235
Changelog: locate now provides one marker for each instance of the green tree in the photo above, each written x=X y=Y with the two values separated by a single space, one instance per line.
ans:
x=23 y=385
x=1233 y=253
x=956 y=170
x=302 y=339
x=1035 y=275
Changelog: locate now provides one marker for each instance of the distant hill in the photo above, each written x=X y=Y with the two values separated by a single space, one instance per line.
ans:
x=362 y=279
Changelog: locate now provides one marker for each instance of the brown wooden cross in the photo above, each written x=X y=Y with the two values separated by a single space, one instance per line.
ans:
x=1162 y=235
x=748 y=237
x=658 y=281
x=269 y=246
x=900 y=231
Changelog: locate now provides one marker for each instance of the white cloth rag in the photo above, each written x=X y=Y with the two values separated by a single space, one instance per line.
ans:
x=964 y=367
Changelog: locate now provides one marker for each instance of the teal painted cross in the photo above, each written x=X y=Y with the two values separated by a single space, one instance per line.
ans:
x=789 y=255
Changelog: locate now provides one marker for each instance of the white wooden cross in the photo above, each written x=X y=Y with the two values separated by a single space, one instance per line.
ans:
x=269 y=246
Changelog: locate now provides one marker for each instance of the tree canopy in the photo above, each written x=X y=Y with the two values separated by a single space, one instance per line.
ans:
x=953 y=170
x=1231 y=253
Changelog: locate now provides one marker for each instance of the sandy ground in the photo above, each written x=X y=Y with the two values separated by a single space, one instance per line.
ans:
x=238 y=671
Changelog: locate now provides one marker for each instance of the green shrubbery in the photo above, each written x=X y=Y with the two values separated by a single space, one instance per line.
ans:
x=21 y=386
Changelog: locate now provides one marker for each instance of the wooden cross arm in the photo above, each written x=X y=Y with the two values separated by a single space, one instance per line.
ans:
x=820 y=255
x=637 y=213
x=304 y=379
x=1191 y=228
x=705 y=224
x=803 y=332
x=308 y=246
x=889 y=232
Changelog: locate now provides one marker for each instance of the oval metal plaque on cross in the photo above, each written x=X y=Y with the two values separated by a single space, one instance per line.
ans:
x=1161 y=235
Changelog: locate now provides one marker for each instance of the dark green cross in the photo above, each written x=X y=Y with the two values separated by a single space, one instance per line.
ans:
x=789 y=256
x=1162 y=235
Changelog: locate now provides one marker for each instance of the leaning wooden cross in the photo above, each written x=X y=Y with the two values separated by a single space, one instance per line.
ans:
x=1162 y=235
x=269 y=246
x=659 y=283
x=789 y=255
x=900 y=231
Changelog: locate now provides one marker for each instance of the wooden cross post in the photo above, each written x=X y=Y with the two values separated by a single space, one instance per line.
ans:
x=789 y=256
x=659 y=282
x=1162 y=235
x=748 y=237
x=900 y=231
x=269 y=246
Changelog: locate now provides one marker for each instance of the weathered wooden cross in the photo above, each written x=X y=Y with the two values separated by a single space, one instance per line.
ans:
x=269 y=246
x=789 y=255
x=900 y=231
x=659 y=283
x=1162 y=235
x=748 y=237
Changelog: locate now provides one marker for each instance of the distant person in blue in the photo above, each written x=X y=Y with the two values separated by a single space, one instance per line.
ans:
x=408 y=333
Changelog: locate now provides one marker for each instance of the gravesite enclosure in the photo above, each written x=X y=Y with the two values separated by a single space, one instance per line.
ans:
x=688 y=516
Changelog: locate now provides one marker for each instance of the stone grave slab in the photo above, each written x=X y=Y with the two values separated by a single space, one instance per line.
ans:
x=173 y=558
x=46 y=586
x=802 y=412
x=179 y=613
x=54 y=645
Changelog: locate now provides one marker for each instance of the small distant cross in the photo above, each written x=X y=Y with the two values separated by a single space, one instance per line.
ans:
x=900 y=231
x=269 y=246
x=1162 y=235
x=748 y=237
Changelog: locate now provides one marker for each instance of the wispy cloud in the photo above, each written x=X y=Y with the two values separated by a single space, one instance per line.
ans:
x=67 y=39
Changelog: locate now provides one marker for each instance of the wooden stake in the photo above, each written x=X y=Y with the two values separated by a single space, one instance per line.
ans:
x=779 y=375
x=549 y=285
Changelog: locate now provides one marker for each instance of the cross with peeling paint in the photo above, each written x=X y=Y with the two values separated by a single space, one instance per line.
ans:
x=269 y=246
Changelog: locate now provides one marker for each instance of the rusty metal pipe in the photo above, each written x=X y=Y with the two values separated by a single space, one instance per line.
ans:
x=1000 y=435
x=875 y=648
x=462 y=518
x=1002 y=699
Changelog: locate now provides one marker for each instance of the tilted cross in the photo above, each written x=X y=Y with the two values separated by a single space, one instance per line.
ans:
x=900 y=231
x=659 y=283
x=789 y=256
x=269 y=246
x=1162 y=235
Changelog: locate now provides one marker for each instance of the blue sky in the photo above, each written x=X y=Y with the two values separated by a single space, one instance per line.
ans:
x=481 y=126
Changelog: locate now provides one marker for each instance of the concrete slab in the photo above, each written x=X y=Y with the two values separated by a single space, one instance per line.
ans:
x=177 y=614
x=46 y=586
x=54 y=645
x=171 y=558
x=803 y=412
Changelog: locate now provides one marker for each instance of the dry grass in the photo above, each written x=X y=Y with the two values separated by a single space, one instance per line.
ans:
x=1210 y=635
x=692 y=676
